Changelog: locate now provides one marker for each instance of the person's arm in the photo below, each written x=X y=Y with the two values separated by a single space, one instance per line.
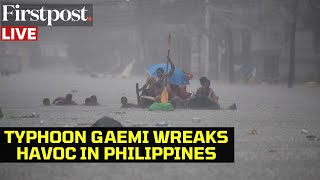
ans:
x=197 y=93
x=146 y=84
x=169 y=74
x=162 y=78
x=131 y=105
x=212 y=96
x=57 y=99
x=172 y=67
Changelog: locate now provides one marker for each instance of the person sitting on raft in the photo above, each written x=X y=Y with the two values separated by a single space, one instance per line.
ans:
x=64 y=100
x=154 y=85
x=149 y=87
x=205 y=96
x=181 y=91
x=161 y=84
x=206 y=91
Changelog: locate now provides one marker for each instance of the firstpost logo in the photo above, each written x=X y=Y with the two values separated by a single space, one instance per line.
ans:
x=20 y=21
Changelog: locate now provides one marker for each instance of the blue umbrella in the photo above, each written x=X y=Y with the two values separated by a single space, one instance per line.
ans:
x=178 y=77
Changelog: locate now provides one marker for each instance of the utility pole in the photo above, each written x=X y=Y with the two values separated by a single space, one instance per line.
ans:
x=230 y=54
x=207 y=24
x=292 y=44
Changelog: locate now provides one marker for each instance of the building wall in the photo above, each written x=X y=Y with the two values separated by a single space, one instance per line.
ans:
x=306 y=60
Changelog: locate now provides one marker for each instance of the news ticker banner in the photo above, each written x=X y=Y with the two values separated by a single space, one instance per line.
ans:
x=19 y=22
x=131 y=144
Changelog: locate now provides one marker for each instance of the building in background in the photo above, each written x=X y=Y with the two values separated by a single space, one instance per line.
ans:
x=14 y=57
x=209 y=38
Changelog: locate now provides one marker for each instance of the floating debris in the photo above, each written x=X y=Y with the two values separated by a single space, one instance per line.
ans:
x=252 y=131
x=34 y=115
x=127 y=121
x=196 y=119
x=162 y=124
x=304 y=131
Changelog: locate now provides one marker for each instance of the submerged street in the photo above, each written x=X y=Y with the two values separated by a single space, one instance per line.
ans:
x=277 y=130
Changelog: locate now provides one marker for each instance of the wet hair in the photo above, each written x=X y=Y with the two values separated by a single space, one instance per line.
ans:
x=94 y=99
x=203 y=80
x=46 y=101
x=69 y=97
x=208 y=82
x=124 y=100
x=160 y=69
x=87 y=101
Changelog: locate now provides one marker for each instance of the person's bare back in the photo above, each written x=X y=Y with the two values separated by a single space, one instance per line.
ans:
x=154 y=85
x=149 y=87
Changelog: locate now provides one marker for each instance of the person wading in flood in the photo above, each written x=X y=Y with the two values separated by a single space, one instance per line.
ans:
x=64 y=101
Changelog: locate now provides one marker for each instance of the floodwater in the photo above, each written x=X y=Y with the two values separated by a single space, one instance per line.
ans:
x=278 y=151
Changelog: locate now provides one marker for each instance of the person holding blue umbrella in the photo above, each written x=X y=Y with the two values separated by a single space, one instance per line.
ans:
x=159 y=82
x=178 y=81
x=155 y=84
x=179 y=77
